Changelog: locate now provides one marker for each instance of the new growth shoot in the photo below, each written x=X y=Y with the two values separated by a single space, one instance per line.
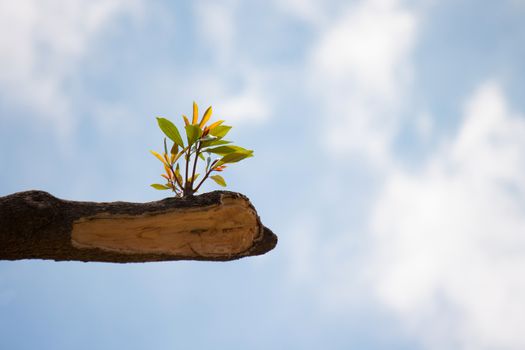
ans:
x=204 y=143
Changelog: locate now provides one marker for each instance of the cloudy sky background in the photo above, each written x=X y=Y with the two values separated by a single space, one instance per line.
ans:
x=390 y=159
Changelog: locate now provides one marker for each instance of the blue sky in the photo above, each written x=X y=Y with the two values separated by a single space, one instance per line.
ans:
x=389 y=142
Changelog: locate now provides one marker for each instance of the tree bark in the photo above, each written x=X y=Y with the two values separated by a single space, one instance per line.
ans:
x=214 y=226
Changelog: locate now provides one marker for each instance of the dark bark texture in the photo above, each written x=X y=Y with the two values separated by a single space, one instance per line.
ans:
x=37 y=225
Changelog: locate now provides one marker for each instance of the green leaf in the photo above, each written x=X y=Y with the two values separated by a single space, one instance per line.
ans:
x=216 y=142
x=193 y=132
x=208 y=138
x=220 y=131
x=219 y=180
x=193 y=178
x=234 y=157
x=174 y=149
x=223 y=150
x=159 y=187
x=177 y=173
x=201 y=156
x=170 y=130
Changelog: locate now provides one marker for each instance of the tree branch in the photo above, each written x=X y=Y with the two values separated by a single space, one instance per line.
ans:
x=215 y=226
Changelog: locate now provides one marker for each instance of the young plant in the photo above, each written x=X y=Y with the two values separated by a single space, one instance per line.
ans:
x=203 y=142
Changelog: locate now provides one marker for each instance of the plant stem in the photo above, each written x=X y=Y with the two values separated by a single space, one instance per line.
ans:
x=185 y=189
x=197 y=150
x=175 y=177
x=173 y=170
x=205 y=176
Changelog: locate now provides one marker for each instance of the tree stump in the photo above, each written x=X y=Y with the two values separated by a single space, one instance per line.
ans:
x=214 y=226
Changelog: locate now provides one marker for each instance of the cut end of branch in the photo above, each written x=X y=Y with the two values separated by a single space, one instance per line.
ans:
x=223 y=229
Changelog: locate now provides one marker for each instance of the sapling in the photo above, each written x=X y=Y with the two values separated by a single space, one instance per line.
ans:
x=204 y=143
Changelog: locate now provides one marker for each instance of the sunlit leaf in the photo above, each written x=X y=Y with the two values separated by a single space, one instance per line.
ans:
x=177 y=174
x=219 y=180
x=159 y=157
x=193 y=178
x=174 y=149
x=201 y=156
x=176 y=157
x=170 y=130
x=223 y=150
x=205 y=117
x=159 y=187
x=208 y=138
x=168 y=171
x=214 y=125
x=216 y=142
x=193 y=132
x=220 y=131
x=195 y=113
x=186 y=121
x=234 y=157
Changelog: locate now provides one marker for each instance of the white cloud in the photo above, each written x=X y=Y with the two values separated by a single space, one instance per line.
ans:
x=219 y=26
x=424 y=125
x=450 y=248
x=216 y=23
x=311 y=11
x=361 y=70
x=41 y=46
x=446 y=247
x=248 y=105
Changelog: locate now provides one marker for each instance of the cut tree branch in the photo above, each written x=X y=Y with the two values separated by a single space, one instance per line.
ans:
x=215 y=226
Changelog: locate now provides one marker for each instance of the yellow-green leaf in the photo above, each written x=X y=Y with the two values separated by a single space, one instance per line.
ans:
x=214 y=125
x=219 y=180
x=193 y=178
x=174 y=149
x=220 y=131
x=216 y=142
x=159 y=157
x=206 y=117
x=159 y=187
x=195 y=113
x=223 y=150
x=170 y=130
x=177 y=173
x=193 y=133
x=234 y=158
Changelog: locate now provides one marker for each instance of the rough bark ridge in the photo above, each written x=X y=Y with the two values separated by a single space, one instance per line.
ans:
x=215 y=226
